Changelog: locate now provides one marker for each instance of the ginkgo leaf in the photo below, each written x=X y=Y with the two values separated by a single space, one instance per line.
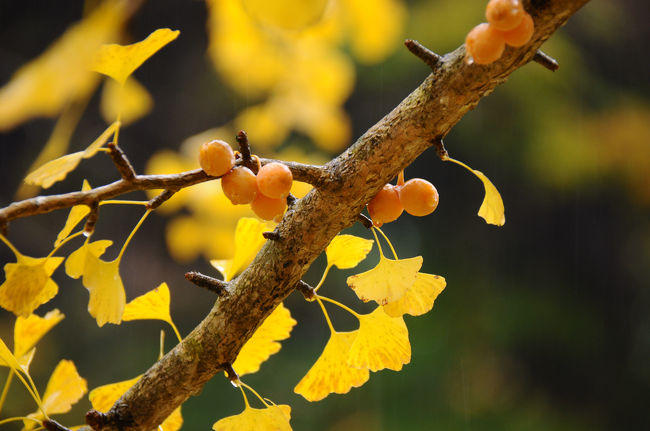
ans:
x=107 y=296
x=130 y=101
x=152 y=305
x=64 y=388
x=28 y=284
x=102 y=279
x=29 y=330
x=264 y=341
x=103 y=397
x=386 y=282
x=74 y=264
x=77 y=213
x=331 y=372
x=57 y=169
x=271 y=418
x=119 y=61
x=248 y=241
x=419 y=298
x=492 y=209
x=383 y=342
x=26 y=360
x=346 y=251
x=7 y=358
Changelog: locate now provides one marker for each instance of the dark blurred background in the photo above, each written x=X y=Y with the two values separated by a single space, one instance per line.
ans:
x=544 y=324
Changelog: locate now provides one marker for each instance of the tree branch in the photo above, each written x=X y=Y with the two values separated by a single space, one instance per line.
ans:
x=344 y=187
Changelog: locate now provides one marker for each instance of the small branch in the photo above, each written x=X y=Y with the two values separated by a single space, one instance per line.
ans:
x=92 y=218
x=364 y=220
x=546 y=60
x=291 y=200
x=121 y=162
x=160 y=199
x=439 y=145
x=317 y=176
x=231 y=374
x=51 y=425
x=244 y=147
x=272 y=236
x=96 y=419
x=212 y=284
x=307 y=291
x=423 y=53
x=4 y=228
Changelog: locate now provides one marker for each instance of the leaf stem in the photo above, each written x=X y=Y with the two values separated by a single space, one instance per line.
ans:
x=254 y=392
x=10 y=245
x=135 y=229
x=178 y=334
x=123 y=202
x=327 y=316
x=322 y=279
x=54 y=250
x=19 y=418
x=381 y=252
x=388 y=241
x=5 y=389
x=241 y=388
x=343 y=306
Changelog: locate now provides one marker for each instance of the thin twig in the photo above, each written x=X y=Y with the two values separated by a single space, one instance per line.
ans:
x=423 y=53
x=364 y=220
x=273 y=236
x=121 y=161
x=315 y=175
x=307 y=291
x=92 y=218
x=160 y=199
x=210 y=283
x=244 y=147
x=291 y=200
x=439 y=145
x=546 y=60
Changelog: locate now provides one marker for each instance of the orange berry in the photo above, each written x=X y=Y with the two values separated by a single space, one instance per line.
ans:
x=484 y=44
x=268 y=208
x=274 y=180
x=216 y=157
x=504 y=14
x=419 y=197
x=239 y=185
x=521 y=34
x=385 y=206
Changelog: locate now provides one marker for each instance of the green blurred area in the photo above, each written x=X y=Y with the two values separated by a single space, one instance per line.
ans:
x=544 y=324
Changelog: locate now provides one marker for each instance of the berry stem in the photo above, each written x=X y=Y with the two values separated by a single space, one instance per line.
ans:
x=400 y=178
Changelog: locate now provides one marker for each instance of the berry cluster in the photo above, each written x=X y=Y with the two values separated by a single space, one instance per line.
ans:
x=417 y=197
x=508 y=23
x=266 y=192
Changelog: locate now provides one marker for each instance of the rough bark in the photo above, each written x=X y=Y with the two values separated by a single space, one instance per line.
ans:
x=352 y=180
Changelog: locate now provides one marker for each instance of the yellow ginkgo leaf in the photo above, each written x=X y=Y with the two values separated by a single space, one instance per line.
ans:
x=248 y=241
x=346 y=251
x=107 y=296
x=130 y=102
x=64 y=388
x=103 y=397
x=152 y=305
x=7 y=358
x=58 y=169
x=276 y=13
x=74 y=264
x=383 y=342
x=26 y=360
x=331 y=372
x=28 y=284
x=492 y=209
x=419 y=298
x=29 y=330
x=119 y=61
x=264 y=341
x=77 y=213
x=271 y=418
x=386 y=282
x=102 y=279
